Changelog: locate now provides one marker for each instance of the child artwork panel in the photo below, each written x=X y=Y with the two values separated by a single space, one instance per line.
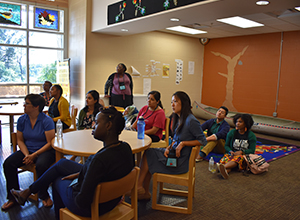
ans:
x=46 y=18
x=10 y=14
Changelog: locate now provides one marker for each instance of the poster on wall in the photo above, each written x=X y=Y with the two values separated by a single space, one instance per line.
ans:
x=134 y=72
x=151 y=69
x=179 y=71
x=146 y=86
x=166 y=69
x=46 y=18
x=10 y=14
x=63 y=77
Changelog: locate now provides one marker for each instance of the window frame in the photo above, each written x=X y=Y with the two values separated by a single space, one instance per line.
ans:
x=63 y=32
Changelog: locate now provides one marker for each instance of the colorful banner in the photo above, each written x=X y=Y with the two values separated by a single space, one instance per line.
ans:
x=63 y=77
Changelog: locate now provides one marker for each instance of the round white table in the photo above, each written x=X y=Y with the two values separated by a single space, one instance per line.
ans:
x=82 y=143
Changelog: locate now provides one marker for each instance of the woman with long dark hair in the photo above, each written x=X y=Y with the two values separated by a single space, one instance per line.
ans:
x=87 y=115
x=187 y=134
x=154 y=117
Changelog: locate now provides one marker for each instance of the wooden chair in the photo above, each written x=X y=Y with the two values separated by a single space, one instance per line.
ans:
x=163 y=143
x=108 y=191
x=73 y=127
x=186 y=179
x=120 y=109
x=30 y=168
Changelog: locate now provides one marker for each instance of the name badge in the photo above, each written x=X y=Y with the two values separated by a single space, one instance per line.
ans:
x=121 y=85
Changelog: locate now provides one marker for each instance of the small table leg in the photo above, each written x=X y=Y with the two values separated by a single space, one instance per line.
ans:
x=58 y=156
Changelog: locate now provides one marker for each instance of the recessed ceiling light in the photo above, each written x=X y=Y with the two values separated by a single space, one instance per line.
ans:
x=262 y=2
x=186 y=30
x=124 y=30
x=240 y=22
x=297 y=8
x=174 y=19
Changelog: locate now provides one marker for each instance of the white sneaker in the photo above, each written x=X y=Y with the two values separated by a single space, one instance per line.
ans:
x=223 y=171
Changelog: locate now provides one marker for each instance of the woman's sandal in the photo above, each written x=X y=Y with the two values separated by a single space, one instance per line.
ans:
x=9 y=204
x=47 y=203
x=18 y=198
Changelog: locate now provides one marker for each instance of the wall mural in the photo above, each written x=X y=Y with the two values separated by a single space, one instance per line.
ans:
x=130 y=9
x=232 y=62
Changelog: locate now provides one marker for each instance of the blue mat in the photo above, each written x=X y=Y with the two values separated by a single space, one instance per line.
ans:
x=269 y=149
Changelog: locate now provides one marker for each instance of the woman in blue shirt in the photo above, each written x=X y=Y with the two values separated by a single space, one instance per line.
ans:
x=35 y=130
x=187 y=134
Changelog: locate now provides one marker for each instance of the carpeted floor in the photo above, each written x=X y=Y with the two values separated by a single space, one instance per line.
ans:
x=272 y=195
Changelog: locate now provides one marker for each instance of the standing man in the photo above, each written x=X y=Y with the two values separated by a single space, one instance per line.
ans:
x=217 y=129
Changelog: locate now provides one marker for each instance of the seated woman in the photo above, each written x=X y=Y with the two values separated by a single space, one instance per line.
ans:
x=46 y=95
x=87 y=115
x=187 y=134
x=154 y=116
x=130 y=115
x=74 y=184
x=59 y=107
x=35 y=130
x=239 y=141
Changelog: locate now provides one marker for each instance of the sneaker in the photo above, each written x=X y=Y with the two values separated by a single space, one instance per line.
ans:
x=199 y=160
x=223 y=171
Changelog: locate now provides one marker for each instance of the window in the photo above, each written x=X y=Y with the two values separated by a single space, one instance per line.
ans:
x=29 y=55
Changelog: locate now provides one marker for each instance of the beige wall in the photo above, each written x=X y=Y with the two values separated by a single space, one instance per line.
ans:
x=77 y=49
x=104 y=52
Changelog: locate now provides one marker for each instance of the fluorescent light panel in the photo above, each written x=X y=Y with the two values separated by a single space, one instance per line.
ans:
x=262 y=2
x=240 y=22
x=174 y=19
x=186 y=30
x=297 y=8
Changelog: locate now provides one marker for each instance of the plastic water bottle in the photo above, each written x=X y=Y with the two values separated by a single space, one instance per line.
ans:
x=59 y=129
x=141 y=128
x=211 y=165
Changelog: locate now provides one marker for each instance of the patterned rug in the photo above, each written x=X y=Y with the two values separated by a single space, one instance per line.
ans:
x=269 y=149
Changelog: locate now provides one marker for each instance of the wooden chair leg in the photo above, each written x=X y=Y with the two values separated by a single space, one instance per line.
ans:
x=34 y=196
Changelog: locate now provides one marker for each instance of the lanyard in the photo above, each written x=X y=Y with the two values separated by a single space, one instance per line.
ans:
x=151 y=113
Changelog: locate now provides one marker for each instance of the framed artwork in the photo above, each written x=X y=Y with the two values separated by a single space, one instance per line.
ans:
x=10 y=14
x=46 y=18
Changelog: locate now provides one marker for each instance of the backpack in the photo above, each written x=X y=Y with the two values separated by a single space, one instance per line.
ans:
x=256 y=163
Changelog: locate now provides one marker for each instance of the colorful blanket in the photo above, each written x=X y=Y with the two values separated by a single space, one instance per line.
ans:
x=269 y=149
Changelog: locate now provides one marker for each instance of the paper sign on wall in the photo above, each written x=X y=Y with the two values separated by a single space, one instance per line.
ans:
x=166 y=69
x=191 y=67
x=179 y=71
x=147 y=86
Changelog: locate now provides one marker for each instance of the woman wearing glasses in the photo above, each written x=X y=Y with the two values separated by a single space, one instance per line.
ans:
x=120 y=86
x=154 y=117
x=35 y=130
x=73 y=184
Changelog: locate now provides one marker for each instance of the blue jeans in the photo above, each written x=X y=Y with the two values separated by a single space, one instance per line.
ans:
x=15 y=160
x=63 y=195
